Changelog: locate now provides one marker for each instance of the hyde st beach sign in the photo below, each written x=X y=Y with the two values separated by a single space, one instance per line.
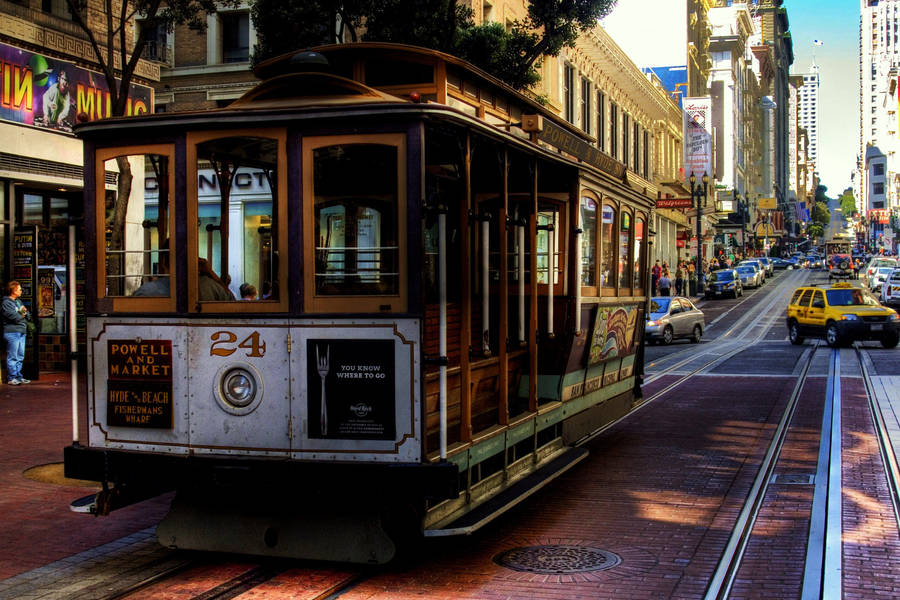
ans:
x=698 y=138
x=45 y=92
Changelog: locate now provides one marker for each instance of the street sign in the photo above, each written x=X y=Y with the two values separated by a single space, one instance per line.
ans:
x=767 y=204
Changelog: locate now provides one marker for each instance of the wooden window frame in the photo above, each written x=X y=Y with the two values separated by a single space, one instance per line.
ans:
x=354 y=304
x=193 y=216
x=620 y=289
x=609 y=290
x=642 y=258
x=592 y=291
x=562 y=243
x=150 y=304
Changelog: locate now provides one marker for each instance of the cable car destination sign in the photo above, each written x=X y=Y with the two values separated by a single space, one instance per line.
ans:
x=554 y=135
x=139 y=386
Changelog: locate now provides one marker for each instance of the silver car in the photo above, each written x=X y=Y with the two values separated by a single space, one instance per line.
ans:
x=750 y=277
x=674 y=317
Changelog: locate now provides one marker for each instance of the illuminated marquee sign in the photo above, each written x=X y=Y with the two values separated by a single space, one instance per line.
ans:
x=46 y=92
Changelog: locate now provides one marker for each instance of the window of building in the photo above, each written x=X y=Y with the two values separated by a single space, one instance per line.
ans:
x=586 y=104
x=57 y=8
x=235 y=36
x=613 y=130
x=646 y=148
x=157 y=39
x=625 y=130
x=878 y=188
x=601 y=121
x=569 y=93
x=637 y=147
x=352 y=225
x=878 y=169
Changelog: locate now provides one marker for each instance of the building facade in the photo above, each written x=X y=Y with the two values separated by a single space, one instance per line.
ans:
x=879 y=67
x=809 y=110
x=51 y=80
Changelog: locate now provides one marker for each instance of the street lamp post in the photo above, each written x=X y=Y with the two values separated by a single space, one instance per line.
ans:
x=698 y=193
x=742 y=210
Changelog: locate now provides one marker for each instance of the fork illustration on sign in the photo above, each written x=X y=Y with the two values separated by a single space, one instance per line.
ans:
x=322 y=367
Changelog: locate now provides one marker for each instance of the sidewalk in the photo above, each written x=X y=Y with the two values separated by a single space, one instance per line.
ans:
x=36 y=524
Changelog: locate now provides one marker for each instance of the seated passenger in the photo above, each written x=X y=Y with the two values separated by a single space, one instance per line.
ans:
x=248 y=291
x=209 y=286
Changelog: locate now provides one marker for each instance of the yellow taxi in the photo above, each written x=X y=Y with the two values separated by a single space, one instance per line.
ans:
x=841 y=314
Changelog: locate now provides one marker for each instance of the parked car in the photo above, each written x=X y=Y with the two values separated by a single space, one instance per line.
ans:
x=724 y=282
x=674 y=317
x=841 y=314
x=768 y=264
x=890 y=290
x=752 y=262
x=840 y=266
x=878 y=261
x=878 y=278
x=750 y=277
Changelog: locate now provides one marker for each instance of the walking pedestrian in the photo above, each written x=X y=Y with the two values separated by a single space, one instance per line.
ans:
x=665 y=283
x=679 y=279
x=15 y=325
x=655 y=272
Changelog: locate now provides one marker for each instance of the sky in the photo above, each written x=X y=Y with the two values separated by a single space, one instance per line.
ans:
x=835 y=23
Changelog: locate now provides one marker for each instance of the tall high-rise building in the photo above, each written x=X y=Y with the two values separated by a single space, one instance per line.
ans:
x=879 y=66
x=808 y=111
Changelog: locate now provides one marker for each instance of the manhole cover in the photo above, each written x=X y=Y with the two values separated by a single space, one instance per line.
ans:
x=557 y=559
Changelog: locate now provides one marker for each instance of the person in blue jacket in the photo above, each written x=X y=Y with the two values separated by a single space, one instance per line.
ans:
x=15 y=318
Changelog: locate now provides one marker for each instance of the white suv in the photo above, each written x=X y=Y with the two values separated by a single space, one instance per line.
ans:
x=890 y=290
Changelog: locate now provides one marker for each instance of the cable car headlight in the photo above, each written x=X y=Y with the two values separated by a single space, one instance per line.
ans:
x=238 y=387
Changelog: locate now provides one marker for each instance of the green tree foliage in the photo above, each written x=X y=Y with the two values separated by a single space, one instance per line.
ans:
x=820 y=193
x=848 y=203
x=511 y=55
x=820 y=214
x=814 y=230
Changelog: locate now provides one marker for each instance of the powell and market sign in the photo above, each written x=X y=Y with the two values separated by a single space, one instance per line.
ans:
x=565 y=141
x=28 y=81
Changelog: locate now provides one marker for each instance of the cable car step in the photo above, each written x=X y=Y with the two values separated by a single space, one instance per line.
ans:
x=491 y=509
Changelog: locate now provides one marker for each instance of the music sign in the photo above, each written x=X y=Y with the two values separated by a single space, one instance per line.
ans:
x=139 y=385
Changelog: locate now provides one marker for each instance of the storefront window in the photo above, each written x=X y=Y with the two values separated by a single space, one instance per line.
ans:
x=32 y=209
x=625 y=232
x=607 y=246
x=588 y=242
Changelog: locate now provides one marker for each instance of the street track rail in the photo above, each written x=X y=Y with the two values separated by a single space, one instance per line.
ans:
x=727 y=568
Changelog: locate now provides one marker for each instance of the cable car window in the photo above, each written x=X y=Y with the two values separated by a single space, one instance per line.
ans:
x=607 y=246
x=548 y=222
x=625 y=232
x=353 y=194
x=135 y=255
x=640 y=248
x=588 y=242
x=237 y=219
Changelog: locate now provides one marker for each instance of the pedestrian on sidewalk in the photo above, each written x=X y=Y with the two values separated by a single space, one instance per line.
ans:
x=664 y=283
x=655 y=272
x=679 y=279
x=15 y=324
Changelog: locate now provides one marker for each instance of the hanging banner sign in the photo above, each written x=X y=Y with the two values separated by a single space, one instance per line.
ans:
x=698 y=138
x=55 y=94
